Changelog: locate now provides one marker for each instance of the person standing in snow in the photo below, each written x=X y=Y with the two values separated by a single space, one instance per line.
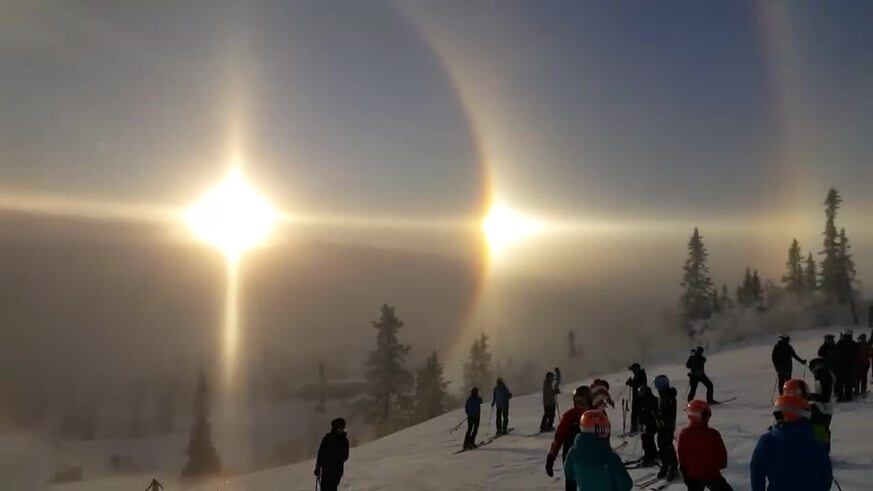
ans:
x=332 y=455
x=567 y=430
x=634 y=382
x=843 y=366
x=549 y=403
x=557 y=380
x=827 y=348
x=666 y=420
x=649 y=425
x=473 y=408
x=821 y=401
x=862 y=365
x=701 y=451
x=788 y=457
x=500 y=398
x=782 y=356
x=591 y=463
x=697 y=375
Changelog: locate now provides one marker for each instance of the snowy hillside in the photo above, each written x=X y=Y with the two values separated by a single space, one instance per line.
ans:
x=423 y=457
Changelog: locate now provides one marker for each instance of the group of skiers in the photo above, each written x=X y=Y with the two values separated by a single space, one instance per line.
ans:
x=849 y=361
x=793 y=454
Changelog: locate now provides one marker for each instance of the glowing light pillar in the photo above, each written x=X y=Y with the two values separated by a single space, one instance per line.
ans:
x=233 y=218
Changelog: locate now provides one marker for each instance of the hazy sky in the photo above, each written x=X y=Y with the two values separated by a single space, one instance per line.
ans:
x=653 y=117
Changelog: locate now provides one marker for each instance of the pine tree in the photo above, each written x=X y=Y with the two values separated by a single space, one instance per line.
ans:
x=794 y=274
x=202 y=458
x=847 y=271
x=745 y=296
x=810 y=275
x=725 y=300
x=832 y=279
x=388 y=383
x=478 y=371
x=431 y=397
x=757 y=291
x=697 y=299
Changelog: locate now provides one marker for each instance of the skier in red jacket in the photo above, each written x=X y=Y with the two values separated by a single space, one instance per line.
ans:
x=568 y=428
x=702 y=454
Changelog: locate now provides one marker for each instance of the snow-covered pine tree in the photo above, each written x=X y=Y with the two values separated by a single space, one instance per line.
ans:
x=431 y=397
x=794 y=274
x=478 y=371
x=202 y=458
x=696 y=301
x=757 y=291
x=744 y=291
x=388 y=382
x=725 y=301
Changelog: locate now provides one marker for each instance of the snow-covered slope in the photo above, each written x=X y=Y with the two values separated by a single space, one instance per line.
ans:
x=423 y=457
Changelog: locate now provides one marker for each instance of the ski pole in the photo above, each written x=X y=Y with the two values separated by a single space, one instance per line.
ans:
x=837 y=483
x=458 y=425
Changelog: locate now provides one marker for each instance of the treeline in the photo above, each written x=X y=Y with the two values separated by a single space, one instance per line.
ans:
x=832 y=281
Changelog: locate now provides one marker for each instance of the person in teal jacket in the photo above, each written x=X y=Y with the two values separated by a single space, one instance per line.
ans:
x=591 y=461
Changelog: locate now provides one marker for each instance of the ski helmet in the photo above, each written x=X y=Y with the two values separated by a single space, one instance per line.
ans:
x=662 y=382
x=698 y=412
x=791 y=408
x=796 y=387
x=582 y=396
x=595 y=422
x=635 y=367
x=474 y=391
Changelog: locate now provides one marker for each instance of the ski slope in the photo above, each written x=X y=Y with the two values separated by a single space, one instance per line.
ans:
x=423 y=457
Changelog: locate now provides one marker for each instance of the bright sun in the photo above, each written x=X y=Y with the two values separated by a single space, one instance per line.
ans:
x=504 y=227
x=232 y=216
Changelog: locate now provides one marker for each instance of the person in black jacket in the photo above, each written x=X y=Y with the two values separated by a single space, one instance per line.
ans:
x=332 y=455
x=782 y=355
x=649 y=425
x=827 y=348
x=500 y=397
x=843 y=366
x=666 y=420
x=638 y=379
x=697 y=375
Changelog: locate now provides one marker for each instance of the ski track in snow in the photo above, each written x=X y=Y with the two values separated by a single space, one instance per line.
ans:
x=423 y=457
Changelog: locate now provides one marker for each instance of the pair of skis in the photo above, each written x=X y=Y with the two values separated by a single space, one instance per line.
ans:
x=485 y=442
x=652 y=482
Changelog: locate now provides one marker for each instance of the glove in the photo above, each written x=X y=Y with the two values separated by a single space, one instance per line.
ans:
x=803 y=362
x=550 y=465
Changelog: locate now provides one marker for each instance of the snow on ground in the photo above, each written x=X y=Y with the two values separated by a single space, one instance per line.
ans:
x=423 y=457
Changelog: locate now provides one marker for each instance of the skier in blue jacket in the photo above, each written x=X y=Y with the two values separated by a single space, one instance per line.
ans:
x=473 y=408
x=591 y=463
x=789 y=457
x=500 y=398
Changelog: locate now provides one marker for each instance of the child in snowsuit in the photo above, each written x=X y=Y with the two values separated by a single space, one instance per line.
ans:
x=473 y=408
x=789 y=457
x=702 y=454
x=591 y=463
x=666 y=428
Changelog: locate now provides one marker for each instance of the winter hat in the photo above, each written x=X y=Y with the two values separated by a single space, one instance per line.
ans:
x=796 y=387
x=698 y=412
x=595 y=422
x=600 y=393
x=791 y=408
